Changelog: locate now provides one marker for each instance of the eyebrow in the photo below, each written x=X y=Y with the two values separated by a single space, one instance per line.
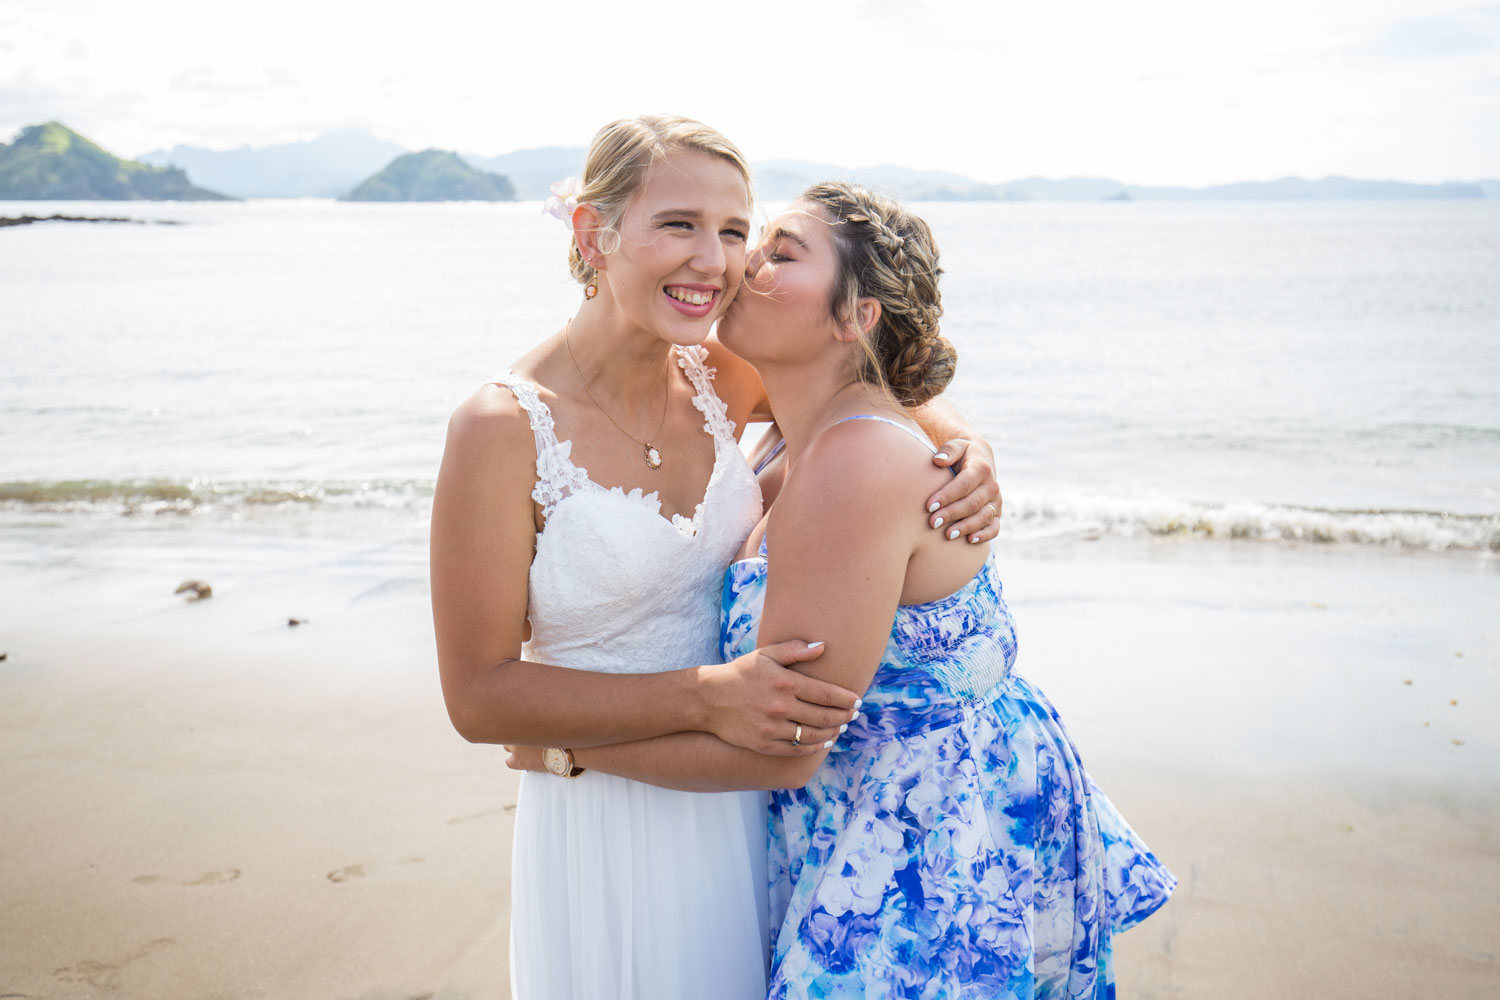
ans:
x=782 y=233
x=693 y=215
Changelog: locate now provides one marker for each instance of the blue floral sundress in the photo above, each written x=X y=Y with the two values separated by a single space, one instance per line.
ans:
x=951 y=845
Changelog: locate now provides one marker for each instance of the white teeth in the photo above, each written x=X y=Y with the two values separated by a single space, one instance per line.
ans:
x=691 y=298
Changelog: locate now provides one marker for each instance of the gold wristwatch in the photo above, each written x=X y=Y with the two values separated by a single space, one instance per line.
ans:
x=560 y=762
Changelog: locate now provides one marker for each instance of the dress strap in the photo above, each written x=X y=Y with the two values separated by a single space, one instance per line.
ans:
x=556 y=475
x=715 y=414
x=777 y=450
x=899 y=426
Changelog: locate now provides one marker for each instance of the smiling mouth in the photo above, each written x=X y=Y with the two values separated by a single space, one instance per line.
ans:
x=691 y=297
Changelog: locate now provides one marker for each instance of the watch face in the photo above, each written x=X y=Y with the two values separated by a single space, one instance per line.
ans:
x=556 y=761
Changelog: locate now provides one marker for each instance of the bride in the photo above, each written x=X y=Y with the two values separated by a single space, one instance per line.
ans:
x=588 y=502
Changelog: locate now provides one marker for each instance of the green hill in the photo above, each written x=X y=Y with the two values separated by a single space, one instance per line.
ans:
x=432 y=175
x=51 y=162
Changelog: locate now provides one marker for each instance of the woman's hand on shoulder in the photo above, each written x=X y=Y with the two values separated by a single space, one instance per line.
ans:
x=968 y=507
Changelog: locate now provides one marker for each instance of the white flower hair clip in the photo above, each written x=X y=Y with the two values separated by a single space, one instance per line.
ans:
x=564 y=199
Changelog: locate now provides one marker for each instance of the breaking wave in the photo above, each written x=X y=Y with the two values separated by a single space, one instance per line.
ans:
x=1027 y=515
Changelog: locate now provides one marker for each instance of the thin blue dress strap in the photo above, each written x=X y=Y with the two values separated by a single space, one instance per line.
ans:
x=899 y=426
x=780 y=445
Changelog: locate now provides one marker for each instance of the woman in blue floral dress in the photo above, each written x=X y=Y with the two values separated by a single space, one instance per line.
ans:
x=947 y=843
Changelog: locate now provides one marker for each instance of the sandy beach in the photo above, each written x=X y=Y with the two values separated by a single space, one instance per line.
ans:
x=197 y=800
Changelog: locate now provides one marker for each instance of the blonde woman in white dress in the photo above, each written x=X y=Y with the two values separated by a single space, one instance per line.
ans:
x=588 y=502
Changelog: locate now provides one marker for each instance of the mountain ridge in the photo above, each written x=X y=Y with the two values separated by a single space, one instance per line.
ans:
x=51 y=162
x=532 y=170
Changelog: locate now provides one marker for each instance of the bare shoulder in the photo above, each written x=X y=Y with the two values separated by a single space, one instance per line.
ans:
x=490 y=445
x=491 y=420
x=737 y=383
x=864 y=470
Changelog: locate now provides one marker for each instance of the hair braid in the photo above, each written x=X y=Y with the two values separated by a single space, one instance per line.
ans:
x=888 y=254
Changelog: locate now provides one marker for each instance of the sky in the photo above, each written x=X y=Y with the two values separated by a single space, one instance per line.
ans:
x=1147 y=92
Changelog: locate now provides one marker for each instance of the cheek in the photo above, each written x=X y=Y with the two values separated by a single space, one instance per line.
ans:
x=735 y=262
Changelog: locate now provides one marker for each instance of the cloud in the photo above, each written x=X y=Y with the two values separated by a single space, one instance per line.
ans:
x=1437 y=37
x=206 y=79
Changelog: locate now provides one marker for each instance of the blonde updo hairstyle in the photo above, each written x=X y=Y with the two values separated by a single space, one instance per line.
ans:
x=622 y=154
x=888 y=254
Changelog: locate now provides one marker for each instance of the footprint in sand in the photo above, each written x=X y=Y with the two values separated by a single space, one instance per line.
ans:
x=509 y=807
x=106 y=975
x=207 y=878
x=347 y=872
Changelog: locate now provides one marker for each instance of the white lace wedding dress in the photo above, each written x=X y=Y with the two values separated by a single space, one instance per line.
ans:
x=621 y=890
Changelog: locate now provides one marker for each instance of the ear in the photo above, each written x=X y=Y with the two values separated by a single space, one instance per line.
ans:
x=866 y=315
x=588 y=227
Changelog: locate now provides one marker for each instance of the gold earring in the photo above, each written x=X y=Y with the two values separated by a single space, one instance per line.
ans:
x=590 y=290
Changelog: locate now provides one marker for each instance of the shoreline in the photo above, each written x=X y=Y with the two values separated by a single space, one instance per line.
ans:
x=197 y=800
x=26 y=220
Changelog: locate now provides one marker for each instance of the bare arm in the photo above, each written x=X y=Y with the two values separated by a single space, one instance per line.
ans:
x=483 y=540
x=846 y=583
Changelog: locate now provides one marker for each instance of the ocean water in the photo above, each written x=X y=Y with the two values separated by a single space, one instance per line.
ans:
x=1324 y=372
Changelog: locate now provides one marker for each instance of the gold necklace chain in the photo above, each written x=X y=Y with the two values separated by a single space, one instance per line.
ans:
x=651 y=455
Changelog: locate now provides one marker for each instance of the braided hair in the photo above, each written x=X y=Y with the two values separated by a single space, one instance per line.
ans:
x=888 y=254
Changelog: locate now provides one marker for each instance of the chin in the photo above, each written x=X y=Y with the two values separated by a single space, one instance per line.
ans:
x=684 y=335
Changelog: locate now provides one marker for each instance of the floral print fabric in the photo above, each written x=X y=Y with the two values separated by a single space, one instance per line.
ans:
x=952 y=845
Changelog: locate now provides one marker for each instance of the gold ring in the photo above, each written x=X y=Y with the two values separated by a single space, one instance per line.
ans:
x=995 y=512
x=797 y=740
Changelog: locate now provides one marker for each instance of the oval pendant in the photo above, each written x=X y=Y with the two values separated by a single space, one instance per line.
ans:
x=653 y=457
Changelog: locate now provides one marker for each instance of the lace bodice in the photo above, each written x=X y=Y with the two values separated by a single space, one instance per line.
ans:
x=614 y=586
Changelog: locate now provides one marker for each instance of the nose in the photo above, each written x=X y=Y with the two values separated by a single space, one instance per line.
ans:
x=710 y=258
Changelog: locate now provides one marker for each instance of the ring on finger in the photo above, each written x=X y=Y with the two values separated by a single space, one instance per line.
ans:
x=797 y=739
x=994 y=513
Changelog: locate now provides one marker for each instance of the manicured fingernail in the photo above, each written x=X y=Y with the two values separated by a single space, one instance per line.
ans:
x=844 y=727
x=858 y=703
x=828 y=744
x=937 y=522
x=973 y=539
x=815 y=645
x=952 y=534
x=942 y=454
x=933 y=506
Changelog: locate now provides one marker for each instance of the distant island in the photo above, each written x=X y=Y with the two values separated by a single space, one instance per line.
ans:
x=432 y=175
x=51 y=162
